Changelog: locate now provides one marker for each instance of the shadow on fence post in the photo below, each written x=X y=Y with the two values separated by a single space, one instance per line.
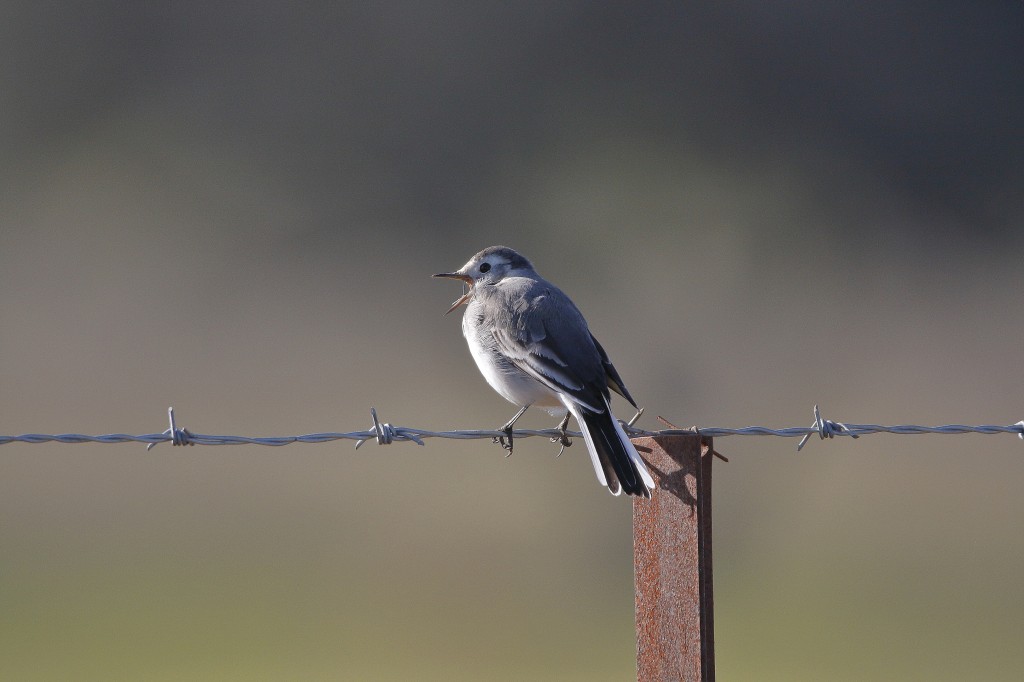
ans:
x=672 y=562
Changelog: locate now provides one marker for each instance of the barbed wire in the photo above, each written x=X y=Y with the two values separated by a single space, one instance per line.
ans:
x=385 y=433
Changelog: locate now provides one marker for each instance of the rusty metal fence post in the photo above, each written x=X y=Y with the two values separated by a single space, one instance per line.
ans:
x=672 y=562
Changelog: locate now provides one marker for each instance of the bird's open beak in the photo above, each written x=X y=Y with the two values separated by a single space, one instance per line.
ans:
x=465 y=279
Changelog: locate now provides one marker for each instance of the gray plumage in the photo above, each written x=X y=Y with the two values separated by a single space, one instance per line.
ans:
x=534 y=348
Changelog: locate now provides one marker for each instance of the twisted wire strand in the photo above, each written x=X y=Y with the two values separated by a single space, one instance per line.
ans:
x=385 y=433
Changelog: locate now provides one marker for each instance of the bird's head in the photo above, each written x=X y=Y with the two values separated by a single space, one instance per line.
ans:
x=488 y=267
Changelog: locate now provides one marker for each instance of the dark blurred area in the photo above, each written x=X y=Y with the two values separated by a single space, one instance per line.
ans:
x=235 y=209
x=425 y=106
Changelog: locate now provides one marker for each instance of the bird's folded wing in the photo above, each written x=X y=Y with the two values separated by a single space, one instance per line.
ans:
x=554 y=346
x=612 y=375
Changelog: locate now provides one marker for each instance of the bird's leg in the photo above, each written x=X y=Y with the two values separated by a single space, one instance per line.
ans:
x=507 y=428
x=564 y=438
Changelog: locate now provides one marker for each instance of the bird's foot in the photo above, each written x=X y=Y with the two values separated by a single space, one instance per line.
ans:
x=563 y=437
x=507 y=430
x=565 y=441
x=502 y=442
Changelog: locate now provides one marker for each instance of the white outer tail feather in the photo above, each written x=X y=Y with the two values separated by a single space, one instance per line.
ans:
x=575 y=411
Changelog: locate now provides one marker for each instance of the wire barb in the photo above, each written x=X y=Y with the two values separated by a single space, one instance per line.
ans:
x=178 y=436
x=386 y=433
x=636 y=417
x=826 y=428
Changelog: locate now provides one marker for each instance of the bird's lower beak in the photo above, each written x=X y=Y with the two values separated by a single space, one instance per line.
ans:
x=467 y=280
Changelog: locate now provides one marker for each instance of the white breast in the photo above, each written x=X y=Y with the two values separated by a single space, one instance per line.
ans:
x=512 y=383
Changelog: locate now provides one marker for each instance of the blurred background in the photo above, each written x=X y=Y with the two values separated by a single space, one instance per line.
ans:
x=234 y=209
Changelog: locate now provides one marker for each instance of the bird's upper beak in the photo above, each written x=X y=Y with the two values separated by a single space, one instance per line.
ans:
x=464 y=278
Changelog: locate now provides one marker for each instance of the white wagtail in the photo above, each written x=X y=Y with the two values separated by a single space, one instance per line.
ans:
x=534 y=348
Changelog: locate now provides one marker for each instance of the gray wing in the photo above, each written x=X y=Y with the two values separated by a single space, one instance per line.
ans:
x=545 y=335
x=612 y=375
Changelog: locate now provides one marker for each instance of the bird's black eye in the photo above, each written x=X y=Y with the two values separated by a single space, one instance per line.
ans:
x=484 y=267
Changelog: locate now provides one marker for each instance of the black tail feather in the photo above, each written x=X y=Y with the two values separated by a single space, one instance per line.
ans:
x=618 y=468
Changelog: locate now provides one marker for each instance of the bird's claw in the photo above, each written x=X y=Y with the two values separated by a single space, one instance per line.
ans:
x=501 y=440
x=562 y=437
x=564 y=440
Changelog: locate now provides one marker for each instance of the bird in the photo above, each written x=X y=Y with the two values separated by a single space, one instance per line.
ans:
x=533 y=346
